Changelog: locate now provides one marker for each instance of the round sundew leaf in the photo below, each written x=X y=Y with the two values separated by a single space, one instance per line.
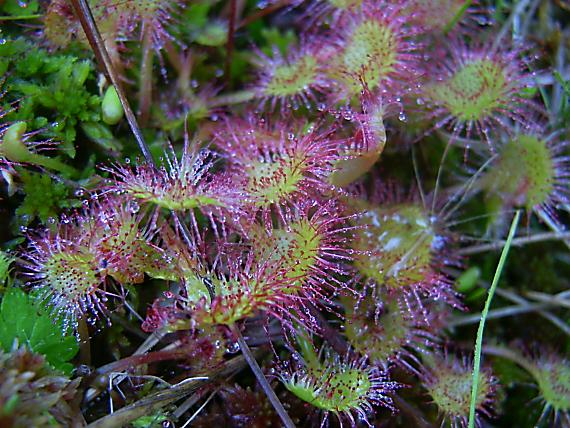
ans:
x=473 y=92
x=553 y=379
x=452 y=392
x=271 y=182
x=234 y=298
x=292 y=79
x=371 y=51
x=524 y=172
x=380 y=336
x=448 y=381
x=334 y=389
x=70 y=277
x=294 y=249
x=401 y=240
x=181 y=184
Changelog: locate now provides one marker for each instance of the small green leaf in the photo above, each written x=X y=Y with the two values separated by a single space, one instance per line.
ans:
x=20 y=8
x=24 y=320
x=5 y=261
x=468 y=279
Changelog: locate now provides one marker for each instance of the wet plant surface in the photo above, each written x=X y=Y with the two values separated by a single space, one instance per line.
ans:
x=313 y=213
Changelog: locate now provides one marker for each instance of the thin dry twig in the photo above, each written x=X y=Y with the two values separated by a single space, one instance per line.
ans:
x=153 y=402
x=517 y=242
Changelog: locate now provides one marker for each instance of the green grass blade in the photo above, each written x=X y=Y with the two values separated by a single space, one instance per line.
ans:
x=457 y=17
x=480 y=330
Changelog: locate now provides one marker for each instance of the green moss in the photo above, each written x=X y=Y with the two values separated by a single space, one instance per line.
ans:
x=52 y=91
x=44 y=198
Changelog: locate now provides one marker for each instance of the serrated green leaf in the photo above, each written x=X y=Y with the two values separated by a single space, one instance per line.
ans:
x=24 y=320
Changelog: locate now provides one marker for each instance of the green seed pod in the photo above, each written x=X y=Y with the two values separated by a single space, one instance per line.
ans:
x=111 y=108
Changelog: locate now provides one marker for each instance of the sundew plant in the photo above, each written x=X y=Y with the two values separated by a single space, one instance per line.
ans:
x=284 y=213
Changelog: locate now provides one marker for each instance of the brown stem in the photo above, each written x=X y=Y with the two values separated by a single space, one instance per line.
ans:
x=230 y=42
x=84 y=343
x=137 y=360
x=331 y=335
x=250 y=358
x=145 y=91
x=96 y=42
x=263 y=12
x=412 y=412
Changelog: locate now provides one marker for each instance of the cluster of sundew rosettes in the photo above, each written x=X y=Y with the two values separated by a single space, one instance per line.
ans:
x=371 y=46
x=117 y=21
x=69 y=263
x=274 y=264
x=448 y=380
x=275 y=270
